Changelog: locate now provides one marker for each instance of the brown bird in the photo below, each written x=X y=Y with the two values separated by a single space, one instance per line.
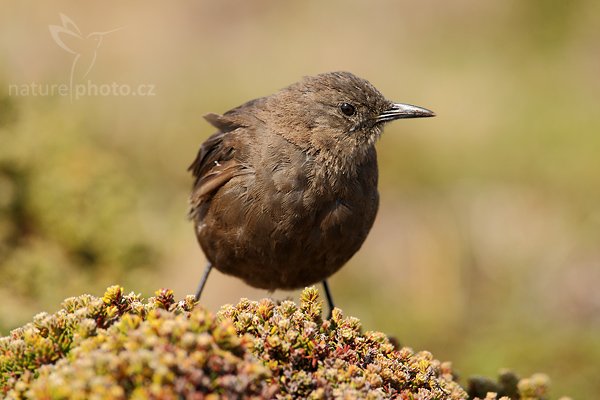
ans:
x=285 y=191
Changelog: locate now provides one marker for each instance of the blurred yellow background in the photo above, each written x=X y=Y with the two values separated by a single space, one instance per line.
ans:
x=486 y=248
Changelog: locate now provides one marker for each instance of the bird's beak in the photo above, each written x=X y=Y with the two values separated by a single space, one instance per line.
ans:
x=111 y=31
x=399 y=110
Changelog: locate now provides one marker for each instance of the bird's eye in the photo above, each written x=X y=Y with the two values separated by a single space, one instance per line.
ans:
x=348 y=109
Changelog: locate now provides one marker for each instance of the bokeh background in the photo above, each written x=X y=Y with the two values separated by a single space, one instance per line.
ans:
x=486 y=248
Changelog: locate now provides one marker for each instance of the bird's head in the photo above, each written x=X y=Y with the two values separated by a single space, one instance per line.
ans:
x=97 y=37
x=337 y=111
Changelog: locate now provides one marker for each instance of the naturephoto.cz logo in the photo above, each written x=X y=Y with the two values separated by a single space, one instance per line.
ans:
x=84 y=50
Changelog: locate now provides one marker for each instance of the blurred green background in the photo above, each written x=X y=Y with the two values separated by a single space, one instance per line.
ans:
x=486 y=248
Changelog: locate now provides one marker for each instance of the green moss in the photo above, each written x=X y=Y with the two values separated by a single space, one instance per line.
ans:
x=121 y=346
x=509 y=385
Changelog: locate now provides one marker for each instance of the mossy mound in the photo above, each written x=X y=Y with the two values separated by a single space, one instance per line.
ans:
x=121 y=346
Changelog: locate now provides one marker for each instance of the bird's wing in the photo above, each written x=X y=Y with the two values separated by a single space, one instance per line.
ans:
x=216 y=162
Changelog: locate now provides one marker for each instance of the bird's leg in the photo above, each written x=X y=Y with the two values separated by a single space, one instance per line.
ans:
x=203 y=281
x=329 y=298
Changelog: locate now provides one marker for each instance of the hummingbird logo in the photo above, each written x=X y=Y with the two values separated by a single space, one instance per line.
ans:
x=83 y=48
